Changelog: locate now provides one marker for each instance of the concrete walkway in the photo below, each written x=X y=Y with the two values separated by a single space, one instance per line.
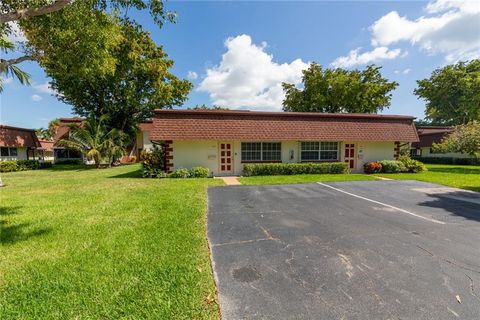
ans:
x=230 y=181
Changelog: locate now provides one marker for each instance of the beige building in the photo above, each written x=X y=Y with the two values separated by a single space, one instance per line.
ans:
x=223 y=141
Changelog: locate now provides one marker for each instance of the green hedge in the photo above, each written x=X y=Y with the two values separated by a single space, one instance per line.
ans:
x=273 y=169
x=22 y=165
x=196 y=172
x=449 y=160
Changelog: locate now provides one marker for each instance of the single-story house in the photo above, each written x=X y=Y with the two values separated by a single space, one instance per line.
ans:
x=17 y=143
x=45 y=152
x=60 y=153
x=143 y=141
x=427 y=137
x=223 y=141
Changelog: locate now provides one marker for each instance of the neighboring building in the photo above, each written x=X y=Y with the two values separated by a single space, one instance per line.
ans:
x=45 y=152
x=143 y=141
x=223 y=141
x=427 y=137
x=17 y=143
x=60 y=153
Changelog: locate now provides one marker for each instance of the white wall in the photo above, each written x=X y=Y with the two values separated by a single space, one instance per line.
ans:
x=188 y=154
x=21 y=155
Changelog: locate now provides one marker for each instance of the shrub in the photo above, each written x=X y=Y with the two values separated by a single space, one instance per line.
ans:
x=392 y=166
x=372 y=167
x=46 y=164
x=449 y=160
x=28 y=164
x=180 y=173
x=199 y=172
x=153 y=163
x=412 y=165
x=69 y=161
x=270 y=169
x=9 y=166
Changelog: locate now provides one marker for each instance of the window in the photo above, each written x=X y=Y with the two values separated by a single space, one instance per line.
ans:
x=261 y=151
x=8 y=152
x=317 y=151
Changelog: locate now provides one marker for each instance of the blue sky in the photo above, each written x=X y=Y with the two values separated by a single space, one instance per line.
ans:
x=238 y=53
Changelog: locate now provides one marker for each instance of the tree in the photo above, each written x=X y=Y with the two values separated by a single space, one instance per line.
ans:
x=465 y=139
x=95 y=141
x=452 y=93
x=339 y=90
x=28 y=10
x=10 y=69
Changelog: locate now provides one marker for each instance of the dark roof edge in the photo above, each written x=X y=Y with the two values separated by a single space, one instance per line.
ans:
x=17 y=128
x=284 y=114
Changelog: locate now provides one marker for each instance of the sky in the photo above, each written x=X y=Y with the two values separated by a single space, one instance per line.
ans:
x=237 y=54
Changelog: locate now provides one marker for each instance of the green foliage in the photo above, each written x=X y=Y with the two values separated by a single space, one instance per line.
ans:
x=180 y=173
x=104 y=64
x=465 y=139
x=392 y=166
x=20 y=165
x=199 y=172
x=94 y=141
x=449 y=160
x=68 y=162
x=11 y=70
x=267 y=169
x=372 y=167
x=412 y=165
x=452 y=93
x=338 y=90
x=153 y=162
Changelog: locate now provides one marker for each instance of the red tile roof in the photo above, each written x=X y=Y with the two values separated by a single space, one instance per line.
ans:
x=64 y=127
x=146 y=125
x=18 y=137
x=47 y=145
x=430 y=135
x=274 y=126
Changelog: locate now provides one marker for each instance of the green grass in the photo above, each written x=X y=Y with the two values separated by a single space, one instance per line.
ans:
x=103 y=244
x=464 y=177
x=303 y=178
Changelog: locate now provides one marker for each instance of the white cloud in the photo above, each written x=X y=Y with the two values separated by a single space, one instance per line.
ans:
x=17 y=34
x=7 y=80
x=44 y=88
x=354 y=57
x=247 y=76
x=449 y=27
x=405 y=71
x=192 y=75
x=36 y=98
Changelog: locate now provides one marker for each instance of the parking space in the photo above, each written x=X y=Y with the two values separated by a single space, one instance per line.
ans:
x=347 y=250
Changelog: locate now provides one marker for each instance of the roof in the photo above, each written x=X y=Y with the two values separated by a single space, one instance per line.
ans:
x=47 y=145
x=18 y=137
x=146 y=125
x=274 y=126
x=430 y=135
x=64 y=127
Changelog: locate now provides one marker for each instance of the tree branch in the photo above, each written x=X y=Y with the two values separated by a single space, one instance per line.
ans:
x=4 y=64
x=32 y=12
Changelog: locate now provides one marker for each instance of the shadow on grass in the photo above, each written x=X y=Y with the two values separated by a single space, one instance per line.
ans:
x=11 y=233
x=131 y=174
x=457 y=170
x=71 y=167
x=460 y=203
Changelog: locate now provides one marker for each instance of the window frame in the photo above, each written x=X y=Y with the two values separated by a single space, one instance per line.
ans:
x=319 y=147
x=261 y=152
x=11 y=152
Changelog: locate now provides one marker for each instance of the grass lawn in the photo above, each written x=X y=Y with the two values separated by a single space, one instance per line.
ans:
x=464 y=177
x=303 y=178
x=103 y=244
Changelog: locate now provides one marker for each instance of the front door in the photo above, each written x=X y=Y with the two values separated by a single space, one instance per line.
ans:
x=226 y=157
x=350 y=155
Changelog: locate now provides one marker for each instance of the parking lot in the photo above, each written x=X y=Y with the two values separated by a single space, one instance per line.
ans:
x=346 y=250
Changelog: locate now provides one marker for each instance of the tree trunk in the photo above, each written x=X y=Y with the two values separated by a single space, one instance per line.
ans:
x=32 y=12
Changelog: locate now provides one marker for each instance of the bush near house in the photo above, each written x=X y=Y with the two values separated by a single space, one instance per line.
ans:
x=273 y=169
x=392 y=166
x=22 y=165
x=153 y=163
x=412 y=165
x=403 y=164
x=372 y=167
x=196 y=172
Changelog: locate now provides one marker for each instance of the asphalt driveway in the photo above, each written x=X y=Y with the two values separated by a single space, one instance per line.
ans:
x=346 y=250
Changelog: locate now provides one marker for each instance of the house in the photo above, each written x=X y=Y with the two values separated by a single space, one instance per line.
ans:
x=427 y=137
x=45 y=152
x=223 y=141
x=143 y=141
x=62 y=154
x=17 y=143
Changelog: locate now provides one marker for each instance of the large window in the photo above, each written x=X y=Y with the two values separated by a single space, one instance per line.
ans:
x=319 y=151
x=8 y=152
x=261 y=151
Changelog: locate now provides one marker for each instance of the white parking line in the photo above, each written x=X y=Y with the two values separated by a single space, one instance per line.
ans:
x=383 y=204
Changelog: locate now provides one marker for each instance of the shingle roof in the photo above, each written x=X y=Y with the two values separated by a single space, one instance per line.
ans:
x=271 y=126
x=64 y=127
x=18 y=137
x=430 y=135
x=47 y=145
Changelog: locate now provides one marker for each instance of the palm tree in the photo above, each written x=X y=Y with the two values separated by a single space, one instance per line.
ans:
x=94 y=141
x=8 y=68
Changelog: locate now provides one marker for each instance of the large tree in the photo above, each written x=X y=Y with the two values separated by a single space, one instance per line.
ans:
x=339 y=90
x=465 y=139
x=452 y=93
